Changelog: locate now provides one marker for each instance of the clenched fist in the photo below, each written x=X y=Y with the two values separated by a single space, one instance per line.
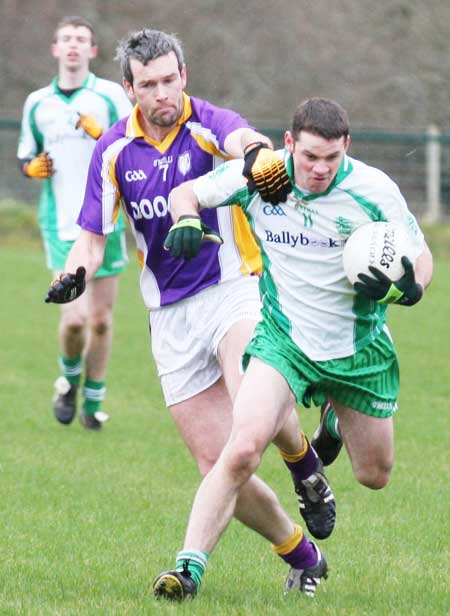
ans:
x=90 y=125
x=266 y=173
x=40 y=167
x=67 y=287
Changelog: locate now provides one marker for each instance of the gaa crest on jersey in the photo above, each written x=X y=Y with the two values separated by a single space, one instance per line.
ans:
x=184 y=163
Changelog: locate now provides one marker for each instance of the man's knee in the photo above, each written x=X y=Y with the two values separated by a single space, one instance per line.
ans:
x=101 y=324
x=373 y=476
x=73 y=328
x=101 y=328
x=242 y=458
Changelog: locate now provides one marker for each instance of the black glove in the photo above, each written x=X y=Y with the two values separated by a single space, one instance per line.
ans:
x=186 y=235
x=266 y=173
x=404 y=291
x=67 y=287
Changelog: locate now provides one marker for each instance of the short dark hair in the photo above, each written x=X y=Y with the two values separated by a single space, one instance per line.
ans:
x=145 y=45
x=77 y=22
x=322 y=117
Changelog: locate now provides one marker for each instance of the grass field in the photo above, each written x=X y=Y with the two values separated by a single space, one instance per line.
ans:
x=87 y=519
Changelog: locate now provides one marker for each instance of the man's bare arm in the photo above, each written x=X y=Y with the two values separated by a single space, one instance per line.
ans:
x=239 y=140
x=88 y=251
x=183 y=202
x=423 y=268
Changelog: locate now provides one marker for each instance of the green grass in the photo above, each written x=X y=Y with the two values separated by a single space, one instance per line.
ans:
x=87 y=520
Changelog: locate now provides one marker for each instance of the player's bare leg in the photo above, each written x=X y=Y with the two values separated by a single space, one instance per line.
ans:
x=263 y=403
x=101 y=296
x=230 y=351
x=72 y=338
x=256 y=421
x=316 y=499
x=210 y=413
x=72 y=327
x=370 y=445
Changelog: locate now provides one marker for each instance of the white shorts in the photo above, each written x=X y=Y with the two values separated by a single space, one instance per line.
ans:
x=186 y=335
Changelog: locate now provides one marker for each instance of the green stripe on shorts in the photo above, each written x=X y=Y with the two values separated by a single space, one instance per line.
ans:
x=367 y=381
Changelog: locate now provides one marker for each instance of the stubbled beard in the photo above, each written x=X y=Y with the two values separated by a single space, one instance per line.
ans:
x=165 y=120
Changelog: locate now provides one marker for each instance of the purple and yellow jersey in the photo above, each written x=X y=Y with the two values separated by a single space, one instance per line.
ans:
x=131 y=169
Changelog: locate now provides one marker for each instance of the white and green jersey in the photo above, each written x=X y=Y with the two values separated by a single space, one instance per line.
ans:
x=49 y=124
x=303 y=286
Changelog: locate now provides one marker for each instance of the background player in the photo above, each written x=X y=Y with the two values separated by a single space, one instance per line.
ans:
x=61 y=123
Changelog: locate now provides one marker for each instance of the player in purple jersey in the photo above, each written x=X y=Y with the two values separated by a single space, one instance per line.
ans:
x=202 y=311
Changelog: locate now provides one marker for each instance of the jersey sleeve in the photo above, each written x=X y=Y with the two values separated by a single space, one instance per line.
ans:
x=396 y=210
x=28 y=147
x=223 y=186
x=101 y=205
x=220 y=122
x=230 y=123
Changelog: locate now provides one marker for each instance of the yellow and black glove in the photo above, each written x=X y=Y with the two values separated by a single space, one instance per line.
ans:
x=186 y=235
x=40 y=167
x=266 y=173
x=90 y=125
x=67 y=287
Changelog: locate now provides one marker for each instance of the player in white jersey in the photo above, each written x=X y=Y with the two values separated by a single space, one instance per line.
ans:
x=61 y=123
x=319 y=337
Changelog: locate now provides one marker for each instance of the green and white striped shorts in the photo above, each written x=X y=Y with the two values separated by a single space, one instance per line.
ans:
x=367 y=381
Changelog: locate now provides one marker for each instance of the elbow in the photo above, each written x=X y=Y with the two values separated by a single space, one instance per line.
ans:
x=424 y=268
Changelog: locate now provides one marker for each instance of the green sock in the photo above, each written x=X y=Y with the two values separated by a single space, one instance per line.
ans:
x=94 y=394
x=332 y=425
x=71 y=369
x=195 y=561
